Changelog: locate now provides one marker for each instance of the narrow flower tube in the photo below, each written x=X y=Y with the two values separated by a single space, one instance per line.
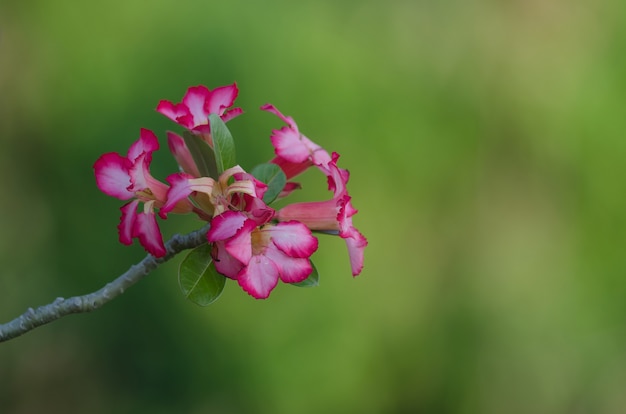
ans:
x=316 y=215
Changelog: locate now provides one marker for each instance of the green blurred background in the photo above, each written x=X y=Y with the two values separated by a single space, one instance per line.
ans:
x=486 y=145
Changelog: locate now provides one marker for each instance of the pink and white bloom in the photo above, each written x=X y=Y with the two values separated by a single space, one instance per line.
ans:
x=333 y=215
x=294 y=151
x=258 y=254
x=129 y=178
x=198 y=102
x=214 y=197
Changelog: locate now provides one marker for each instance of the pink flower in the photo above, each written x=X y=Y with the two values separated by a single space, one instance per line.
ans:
x=129 y=178
x=295 y=152
x=258 y=254
x=213 y=197
x=199 y=101
x=333 y=215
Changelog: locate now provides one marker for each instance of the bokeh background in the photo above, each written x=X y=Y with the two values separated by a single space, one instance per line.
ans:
x=486 y=144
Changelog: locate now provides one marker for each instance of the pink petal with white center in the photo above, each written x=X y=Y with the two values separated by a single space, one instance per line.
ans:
x=240 y=245
x=259 y=277
x=182 y=186
x=147 y=230
x=221 y=98
x=112 y=175
x=225 y=264
x=290 y=269
x=225 y=225
x=195 y=100
x=181 y=153
x=287 y=144
x=294 y=239
x=147 y=142
x=127 y=221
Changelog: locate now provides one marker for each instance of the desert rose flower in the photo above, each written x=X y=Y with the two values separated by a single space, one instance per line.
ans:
x=213 y=197
x=257 y=255
x=334 y=215
x=295 y=152
x=198 y=102
x=129 y=178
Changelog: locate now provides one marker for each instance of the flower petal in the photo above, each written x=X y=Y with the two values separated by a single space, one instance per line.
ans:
x=290 y=269
x=147 y=230
x=288 y=144
x=294 y=239
x=337 y=177
x=228 y=115
x=181 y=186
x=221 y=98
x=355 y=241
x=356 y=244
x=198 y=102
x=112 y=175
x=259 y=277
x=195 y=100
x=127 y=221
x=286 y=119
x=141 y=179
x=257 y=210
x=225 y=225
x=147 y=142
x=240 y=245
x=174 y=112
x=246 y=182
x=291 y=169
x=225 y=264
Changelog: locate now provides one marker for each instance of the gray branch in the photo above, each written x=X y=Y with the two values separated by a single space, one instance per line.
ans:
x=34 y=318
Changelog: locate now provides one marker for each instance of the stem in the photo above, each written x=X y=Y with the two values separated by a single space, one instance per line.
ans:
x=34 y=318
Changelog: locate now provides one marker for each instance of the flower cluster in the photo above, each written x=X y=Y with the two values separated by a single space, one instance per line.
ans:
x=250 y=241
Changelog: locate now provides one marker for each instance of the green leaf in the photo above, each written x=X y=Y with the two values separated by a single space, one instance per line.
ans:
x=274 y=177
x=223 y=144
x=202 y=154
x=198 y=278
x=311 y=281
